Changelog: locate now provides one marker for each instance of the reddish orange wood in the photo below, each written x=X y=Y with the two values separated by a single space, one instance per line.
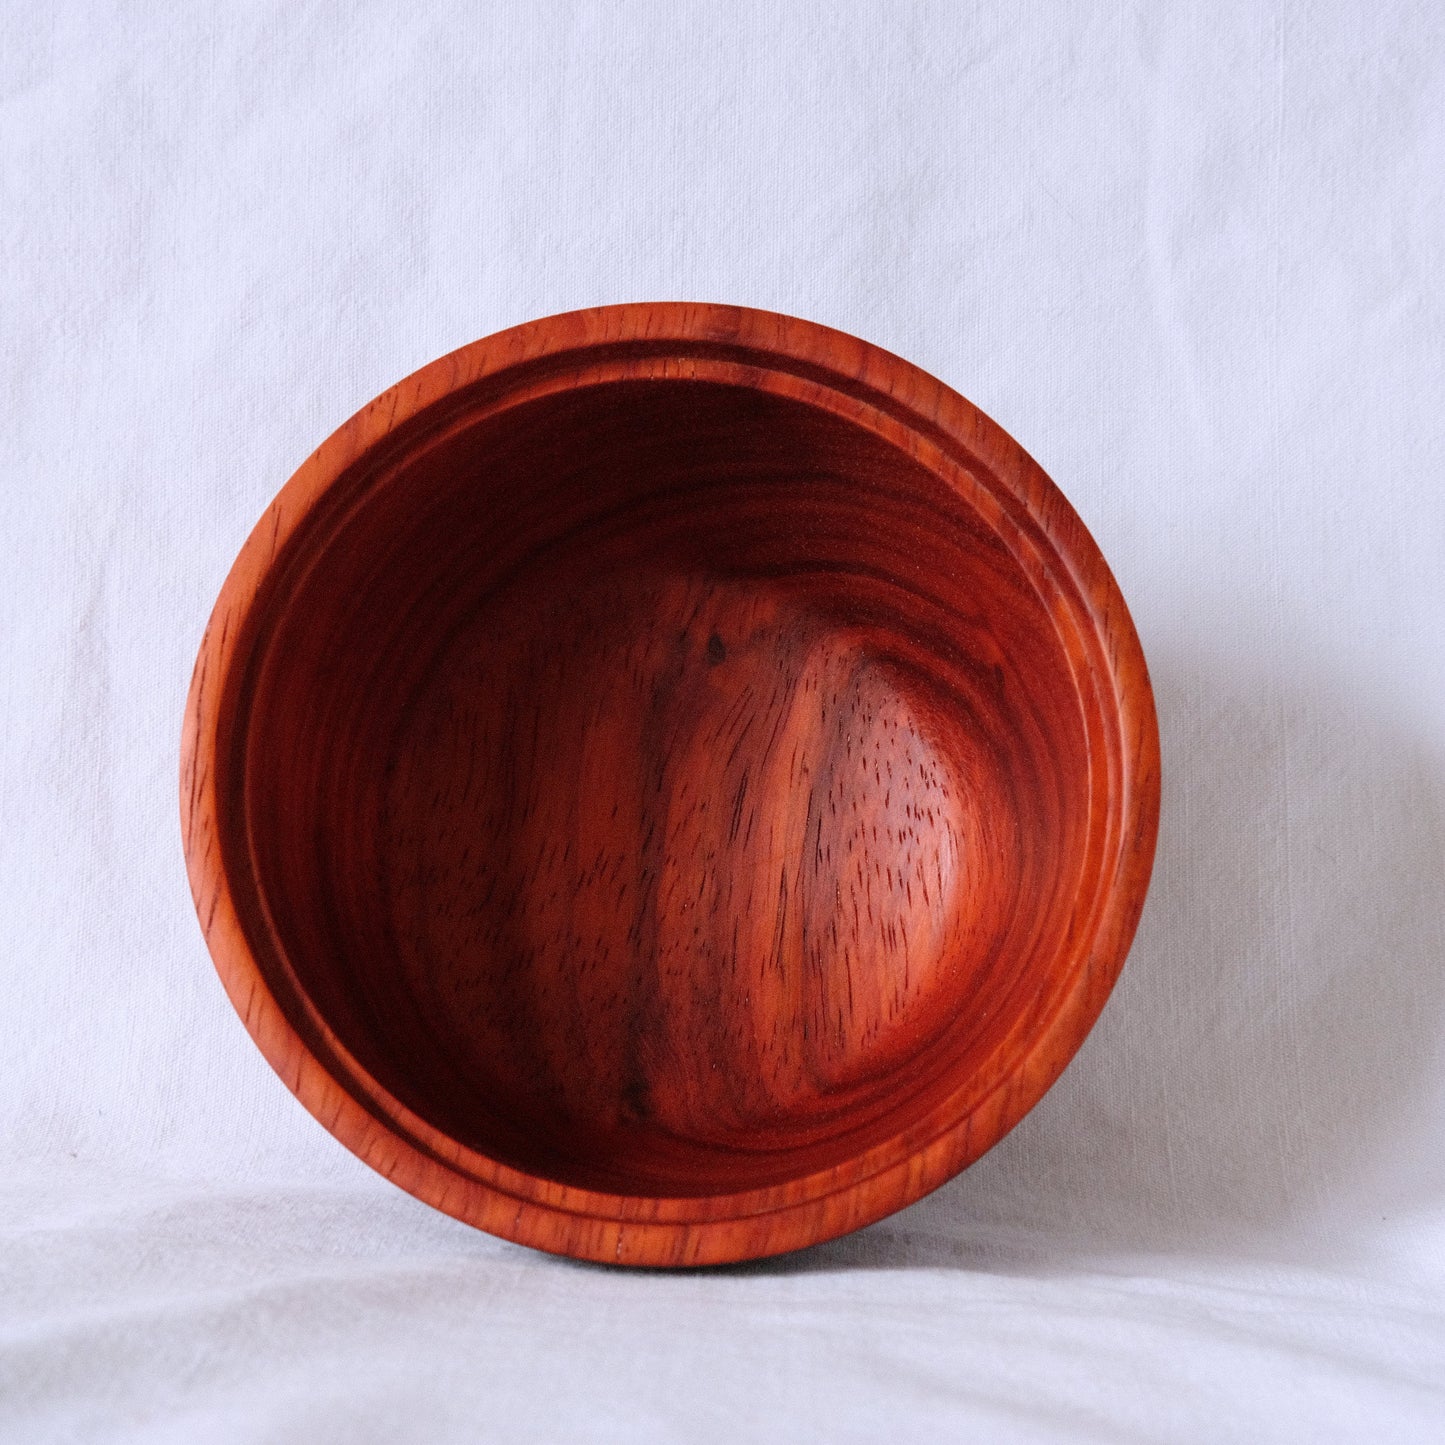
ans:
x=669 y=784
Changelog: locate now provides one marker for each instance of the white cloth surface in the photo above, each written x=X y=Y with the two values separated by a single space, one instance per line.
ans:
x=1192 y=257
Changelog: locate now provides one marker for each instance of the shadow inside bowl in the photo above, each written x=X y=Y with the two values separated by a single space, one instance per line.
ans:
x=673 y=789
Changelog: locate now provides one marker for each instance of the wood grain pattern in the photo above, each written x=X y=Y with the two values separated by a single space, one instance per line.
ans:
x=669 y=784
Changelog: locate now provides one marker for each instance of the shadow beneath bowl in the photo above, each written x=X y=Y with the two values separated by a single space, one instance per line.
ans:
x=1250 y=1087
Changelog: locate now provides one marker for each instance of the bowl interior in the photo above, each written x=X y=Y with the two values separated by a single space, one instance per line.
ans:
x=663 y=787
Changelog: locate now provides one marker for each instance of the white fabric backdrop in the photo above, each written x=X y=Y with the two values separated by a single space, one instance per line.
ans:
x=1193 y=257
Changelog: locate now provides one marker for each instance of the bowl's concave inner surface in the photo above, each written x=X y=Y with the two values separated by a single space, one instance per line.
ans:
x=664 y=787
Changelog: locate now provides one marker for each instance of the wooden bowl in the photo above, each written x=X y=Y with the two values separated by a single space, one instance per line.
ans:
x=669 y=784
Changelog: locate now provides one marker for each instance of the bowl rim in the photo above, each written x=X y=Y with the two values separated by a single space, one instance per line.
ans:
x=912 y=410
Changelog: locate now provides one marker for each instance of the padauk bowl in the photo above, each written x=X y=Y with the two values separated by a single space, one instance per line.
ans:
x=669 y=784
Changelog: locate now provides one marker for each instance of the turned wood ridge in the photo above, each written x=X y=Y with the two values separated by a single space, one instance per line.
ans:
x=669 y=784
